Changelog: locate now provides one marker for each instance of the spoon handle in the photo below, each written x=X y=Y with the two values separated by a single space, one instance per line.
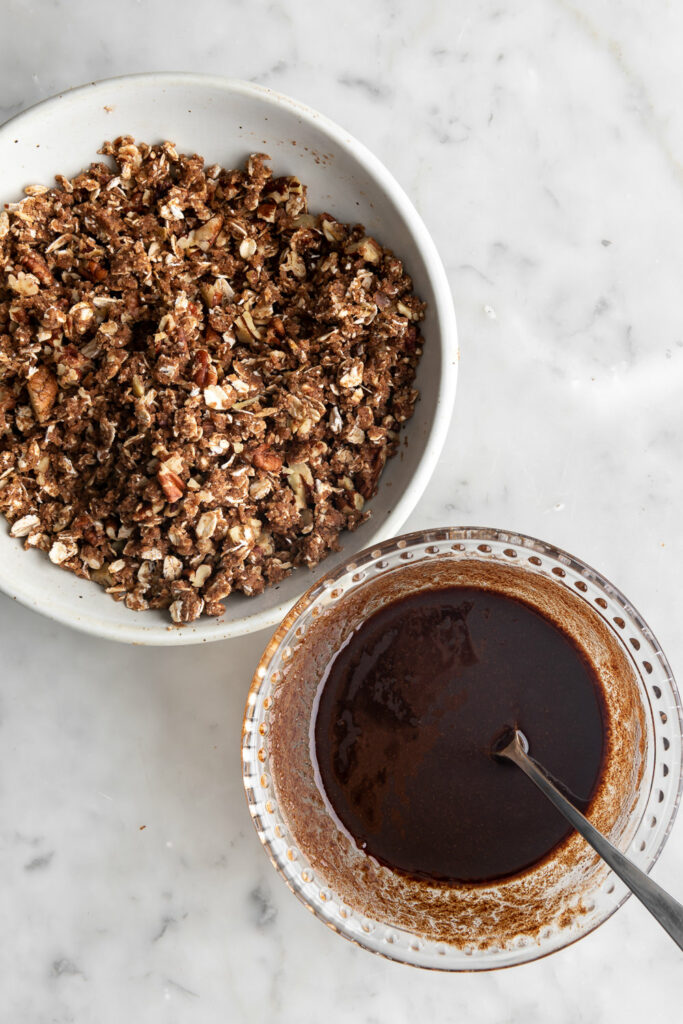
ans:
x=661 y=905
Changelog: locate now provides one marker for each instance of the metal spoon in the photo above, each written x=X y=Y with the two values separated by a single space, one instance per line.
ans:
x=661 y=905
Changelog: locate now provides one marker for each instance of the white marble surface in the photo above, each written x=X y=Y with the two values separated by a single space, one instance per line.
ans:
x=543 y=144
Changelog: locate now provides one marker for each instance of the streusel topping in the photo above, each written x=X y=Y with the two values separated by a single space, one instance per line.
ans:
x=200 y=382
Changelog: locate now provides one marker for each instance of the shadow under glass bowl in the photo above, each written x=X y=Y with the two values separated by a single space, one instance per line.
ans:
x=640 y=832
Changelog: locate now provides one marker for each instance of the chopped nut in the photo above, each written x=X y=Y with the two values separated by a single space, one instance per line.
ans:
x=42 y=390
x=266 y=211
x=36 y=265
x=171 y=484
x=204 y=374
x=175 y=463
x=332 y=229
x=201 y=575
x=352 y=374
x=336 y=422
x=207 y=234
x=368 y=248
x=219 y=398
x=266 y=459
x=95 y=271
x=297 y=475
x=24 y=284
x=246 y=329
x=410 y=312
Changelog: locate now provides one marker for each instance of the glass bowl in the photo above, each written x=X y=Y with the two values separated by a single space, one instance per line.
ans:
x=596 y=893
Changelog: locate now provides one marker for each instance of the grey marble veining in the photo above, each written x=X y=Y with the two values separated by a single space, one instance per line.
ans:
x=543 y=145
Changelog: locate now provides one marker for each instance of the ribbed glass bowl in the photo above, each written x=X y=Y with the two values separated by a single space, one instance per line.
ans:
x=659 y=788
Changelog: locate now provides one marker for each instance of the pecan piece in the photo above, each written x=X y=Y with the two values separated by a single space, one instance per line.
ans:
x=368 y=479
x=207 y=234
x=266 y=459
x=94 y=271
x=42 y=391
x=211 y=337
x=267 y=210
x=37 y=265
x=71 y=365
x=204 y=374
x=171 y=484
x=368 y=248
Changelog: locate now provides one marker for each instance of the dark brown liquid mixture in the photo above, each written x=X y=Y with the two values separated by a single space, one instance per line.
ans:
x=408 y=712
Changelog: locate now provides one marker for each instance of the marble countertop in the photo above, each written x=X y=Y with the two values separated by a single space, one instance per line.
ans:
x=543 y=145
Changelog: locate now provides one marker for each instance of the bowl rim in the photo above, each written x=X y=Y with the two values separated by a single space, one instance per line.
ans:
x=163 y=634
x=262 y=681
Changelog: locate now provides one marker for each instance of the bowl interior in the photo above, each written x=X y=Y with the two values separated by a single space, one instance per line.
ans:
x=464 y=927
x=225 y=122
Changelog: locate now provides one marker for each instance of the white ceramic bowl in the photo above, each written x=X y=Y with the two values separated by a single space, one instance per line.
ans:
x=226 y=120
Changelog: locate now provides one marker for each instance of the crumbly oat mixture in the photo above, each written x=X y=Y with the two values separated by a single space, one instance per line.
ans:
x=200 y=382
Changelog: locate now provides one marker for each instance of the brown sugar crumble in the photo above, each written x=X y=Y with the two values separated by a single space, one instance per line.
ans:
x=200 y=382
